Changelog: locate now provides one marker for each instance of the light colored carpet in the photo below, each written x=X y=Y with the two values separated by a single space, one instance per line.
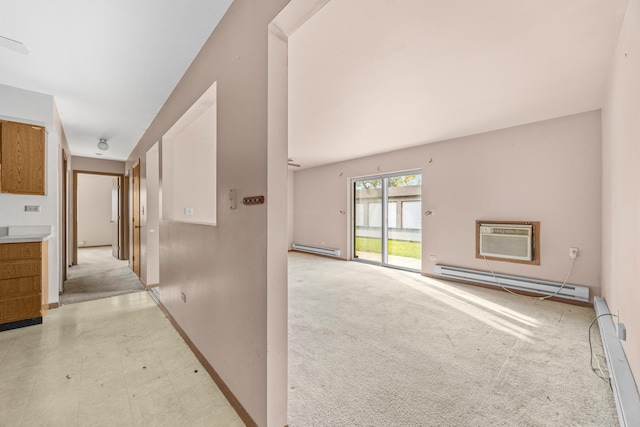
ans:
x=98 y=275
x=370 y=346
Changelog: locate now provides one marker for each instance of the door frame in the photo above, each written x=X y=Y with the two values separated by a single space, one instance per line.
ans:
x=136 y=218
x=123 y=213
x=64 y=220
x=384 y=235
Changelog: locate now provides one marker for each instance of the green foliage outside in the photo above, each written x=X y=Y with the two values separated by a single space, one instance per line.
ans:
x=396 y=247
x=396 y=181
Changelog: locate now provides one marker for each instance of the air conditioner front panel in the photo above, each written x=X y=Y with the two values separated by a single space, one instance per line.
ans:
x=500 y=241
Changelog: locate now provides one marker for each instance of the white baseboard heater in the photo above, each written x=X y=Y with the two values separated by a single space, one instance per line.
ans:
x=623 y=385
x=316 y=250
x=545 y=287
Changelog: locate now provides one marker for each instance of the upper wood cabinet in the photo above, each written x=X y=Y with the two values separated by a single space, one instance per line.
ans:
x=22 y=157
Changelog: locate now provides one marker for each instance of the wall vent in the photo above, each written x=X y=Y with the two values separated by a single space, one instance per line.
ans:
x=510 y=241
x=316 y=250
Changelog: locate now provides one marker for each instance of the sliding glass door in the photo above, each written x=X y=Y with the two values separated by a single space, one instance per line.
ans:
x=368 y=220
x=387 y=220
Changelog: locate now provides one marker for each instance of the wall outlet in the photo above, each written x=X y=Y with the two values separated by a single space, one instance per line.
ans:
x=433 y=257
x=32 y=208
x=188 y=211
x=183 y=296
x=573 y=252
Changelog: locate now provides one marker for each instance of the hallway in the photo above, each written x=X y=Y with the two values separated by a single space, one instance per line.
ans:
x=114 y=361
x=98 y=275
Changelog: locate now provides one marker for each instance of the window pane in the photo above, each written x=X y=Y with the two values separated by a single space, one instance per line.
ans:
x=411 y=217
x=392 y=214
x=359 y=214
x=375 y=214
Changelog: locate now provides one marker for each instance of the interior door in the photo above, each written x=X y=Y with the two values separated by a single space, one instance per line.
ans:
x=115 y=217
x=136 y=218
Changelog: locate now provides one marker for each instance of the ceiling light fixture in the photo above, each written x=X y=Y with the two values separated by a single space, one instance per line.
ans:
x=103 y=144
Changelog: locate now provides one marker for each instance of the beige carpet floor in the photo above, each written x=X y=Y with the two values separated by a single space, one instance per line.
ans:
x=370 y=346
x=98 y=275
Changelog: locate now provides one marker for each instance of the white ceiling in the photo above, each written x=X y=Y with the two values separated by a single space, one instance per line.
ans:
x=370 y=76
x=110 y=64
x=366 y=76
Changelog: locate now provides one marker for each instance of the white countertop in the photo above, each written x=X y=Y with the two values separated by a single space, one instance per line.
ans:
x=24 y=233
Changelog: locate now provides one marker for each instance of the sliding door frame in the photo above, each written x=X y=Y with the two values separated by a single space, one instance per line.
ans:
x=384 y=208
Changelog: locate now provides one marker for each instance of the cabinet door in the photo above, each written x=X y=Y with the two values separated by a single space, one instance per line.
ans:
x=26 y=307
x=22 y=157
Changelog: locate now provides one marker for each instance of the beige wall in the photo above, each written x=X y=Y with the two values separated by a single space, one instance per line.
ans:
x=621 y=186
x=150 y=219
x=547 y=171
x=94 y=210
x=189 y=169
x=222 y=269
x=87 y=164
x=64 y=177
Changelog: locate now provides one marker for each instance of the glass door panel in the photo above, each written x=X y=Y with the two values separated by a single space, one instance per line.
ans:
x=404 y=221
x=387 y=220
x=368 y=220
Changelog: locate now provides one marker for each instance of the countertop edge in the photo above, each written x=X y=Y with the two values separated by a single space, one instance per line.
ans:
x=25 y=239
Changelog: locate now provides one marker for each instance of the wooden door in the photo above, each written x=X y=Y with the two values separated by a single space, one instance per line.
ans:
x=136 y=218
x=115 y=217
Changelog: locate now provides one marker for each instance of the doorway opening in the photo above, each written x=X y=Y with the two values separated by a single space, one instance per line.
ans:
x=100 y=266
x=100 y=201
x=387 y=220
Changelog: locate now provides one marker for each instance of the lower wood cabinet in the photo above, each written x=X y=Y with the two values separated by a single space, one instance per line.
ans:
x=23 y=284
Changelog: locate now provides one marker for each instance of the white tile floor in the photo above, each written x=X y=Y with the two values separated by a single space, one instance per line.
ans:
x=110 y=362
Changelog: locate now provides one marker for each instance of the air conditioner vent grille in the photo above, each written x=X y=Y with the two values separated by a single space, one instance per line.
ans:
x=514 y=231
x=505 y=241
x=500 y=245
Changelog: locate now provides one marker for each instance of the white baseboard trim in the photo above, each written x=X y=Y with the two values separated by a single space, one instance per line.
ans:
x=625 y=390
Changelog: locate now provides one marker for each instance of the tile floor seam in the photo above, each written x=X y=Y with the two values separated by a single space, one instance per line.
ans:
x=82 y=363
x=126 y=382
x=30 y=398
x=173 y=387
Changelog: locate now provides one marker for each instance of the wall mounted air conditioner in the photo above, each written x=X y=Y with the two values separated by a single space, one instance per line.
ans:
x=510 y=241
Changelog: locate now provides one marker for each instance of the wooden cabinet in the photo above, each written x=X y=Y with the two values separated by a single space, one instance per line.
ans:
x=22 y=158
x=23 y=269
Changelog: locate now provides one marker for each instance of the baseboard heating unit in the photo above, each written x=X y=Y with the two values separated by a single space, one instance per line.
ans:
x=316 y=250
x=545 y=287
x=623 y=385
